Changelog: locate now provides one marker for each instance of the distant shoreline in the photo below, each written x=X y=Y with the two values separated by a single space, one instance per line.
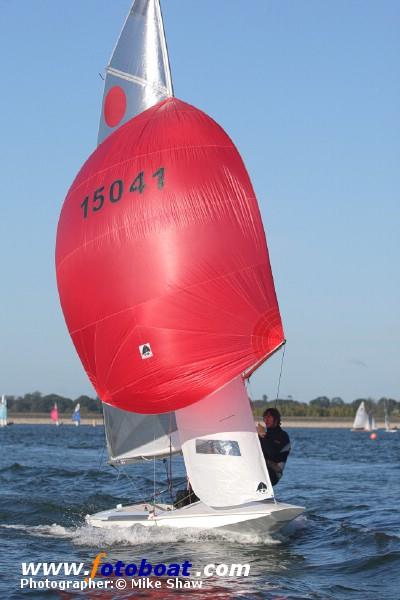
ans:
x=326 y=423
x=287 y=422
x=42 y=419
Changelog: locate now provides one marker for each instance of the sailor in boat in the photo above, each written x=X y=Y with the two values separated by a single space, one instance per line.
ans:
x=275 y=444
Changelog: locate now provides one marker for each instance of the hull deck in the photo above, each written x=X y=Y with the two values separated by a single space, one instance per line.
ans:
x=259 y=517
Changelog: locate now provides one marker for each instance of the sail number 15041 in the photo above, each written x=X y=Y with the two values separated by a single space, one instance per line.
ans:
x=116 y=190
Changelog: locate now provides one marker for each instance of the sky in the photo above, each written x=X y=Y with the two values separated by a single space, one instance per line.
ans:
x=310 y=94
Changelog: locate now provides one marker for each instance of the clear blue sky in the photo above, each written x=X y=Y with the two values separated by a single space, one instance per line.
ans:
x=310 y=93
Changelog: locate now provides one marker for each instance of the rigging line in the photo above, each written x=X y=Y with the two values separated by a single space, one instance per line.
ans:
x=128 y=477
x=101 y=460
x=280 y=374
x=170 y=458
x=154 y=480
x=249 y=391
x=118 y=471
x=134 y=486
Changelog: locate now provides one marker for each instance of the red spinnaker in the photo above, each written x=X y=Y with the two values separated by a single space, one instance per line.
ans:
x=162 y=264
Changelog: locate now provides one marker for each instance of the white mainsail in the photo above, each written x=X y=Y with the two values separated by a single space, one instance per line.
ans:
x=361 y=420
x=222 y=453
x=138 y=75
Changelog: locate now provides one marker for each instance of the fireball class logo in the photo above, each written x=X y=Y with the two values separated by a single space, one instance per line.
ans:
x=145 y=351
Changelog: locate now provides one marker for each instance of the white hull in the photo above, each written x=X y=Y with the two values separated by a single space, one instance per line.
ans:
x=254 y=517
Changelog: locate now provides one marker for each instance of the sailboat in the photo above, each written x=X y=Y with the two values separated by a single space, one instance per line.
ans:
x=167 y=291
x=388 y=429
x=3 y=411
x=76 y=415
x=54 y=414
x=372 y=423
x=362 y=420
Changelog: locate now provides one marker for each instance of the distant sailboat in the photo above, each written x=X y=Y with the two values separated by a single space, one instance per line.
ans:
x=372 y=423
x=76 y=415
x=362 y=419
x=54 y=414
x=3 y=411
x=388 y=429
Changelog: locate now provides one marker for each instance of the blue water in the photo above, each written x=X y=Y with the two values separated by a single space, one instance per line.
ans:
x=346 y=546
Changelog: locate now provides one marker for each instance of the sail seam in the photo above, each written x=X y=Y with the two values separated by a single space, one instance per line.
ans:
x=136 y=79
x=133 y=307
x=144 y=155
x=96 y=239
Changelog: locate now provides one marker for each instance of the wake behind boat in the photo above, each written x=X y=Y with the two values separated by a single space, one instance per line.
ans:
x=165 y=213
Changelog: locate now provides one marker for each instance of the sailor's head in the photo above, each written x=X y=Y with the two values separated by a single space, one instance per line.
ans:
x=272 y=417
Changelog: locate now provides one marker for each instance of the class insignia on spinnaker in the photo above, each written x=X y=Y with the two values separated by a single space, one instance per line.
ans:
x=162 y=264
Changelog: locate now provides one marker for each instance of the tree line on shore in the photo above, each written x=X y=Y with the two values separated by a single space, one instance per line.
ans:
x=36 y=402
x=327 y=407
x=322 y=406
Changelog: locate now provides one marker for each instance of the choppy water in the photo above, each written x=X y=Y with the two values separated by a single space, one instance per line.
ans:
x=346 y=546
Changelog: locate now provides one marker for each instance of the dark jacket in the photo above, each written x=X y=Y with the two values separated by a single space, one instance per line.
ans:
x=275 y=446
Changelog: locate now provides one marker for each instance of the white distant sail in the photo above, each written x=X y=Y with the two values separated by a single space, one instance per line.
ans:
x=76 y=415
x=388 y=429
x=138 y=75
x=3 y=411
x=361 y=420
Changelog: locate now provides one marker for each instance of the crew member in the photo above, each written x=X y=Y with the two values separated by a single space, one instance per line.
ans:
x=275 y=444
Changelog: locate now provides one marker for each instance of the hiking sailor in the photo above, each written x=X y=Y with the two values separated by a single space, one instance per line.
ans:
x=275 y=444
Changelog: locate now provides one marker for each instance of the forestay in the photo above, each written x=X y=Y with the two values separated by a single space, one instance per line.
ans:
x=221 y=448
x=132 y=436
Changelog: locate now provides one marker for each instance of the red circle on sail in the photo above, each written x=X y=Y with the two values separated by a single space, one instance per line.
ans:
x=114 y=106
